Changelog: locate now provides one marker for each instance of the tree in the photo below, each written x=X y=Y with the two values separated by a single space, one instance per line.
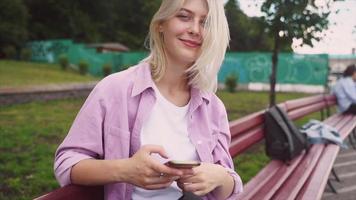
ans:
x=133 y=21
x=13 y=20
x=248 y=33
x=289 y=19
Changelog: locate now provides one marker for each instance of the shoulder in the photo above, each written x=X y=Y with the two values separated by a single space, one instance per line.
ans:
x=216 y=103
x=118 y=84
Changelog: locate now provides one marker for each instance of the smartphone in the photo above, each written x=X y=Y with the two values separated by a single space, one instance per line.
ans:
x=182 y=164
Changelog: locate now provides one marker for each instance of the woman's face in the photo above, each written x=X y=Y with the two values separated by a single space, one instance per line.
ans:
x=183 y=33
x=354 y=76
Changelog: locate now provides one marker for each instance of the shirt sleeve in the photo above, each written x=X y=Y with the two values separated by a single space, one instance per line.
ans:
x=350 y=90
x=84 y=140
x=221 y=152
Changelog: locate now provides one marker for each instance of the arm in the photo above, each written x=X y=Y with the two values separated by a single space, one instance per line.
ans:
x=140 y=170
x=79 y=159
x=218 y=179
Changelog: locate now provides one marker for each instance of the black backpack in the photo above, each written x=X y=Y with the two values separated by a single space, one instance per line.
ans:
x=283 y=139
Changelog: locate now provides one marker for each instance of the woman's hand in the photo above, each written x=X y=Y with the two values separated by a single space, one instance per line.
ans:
x=144 y=171
x=206 y=178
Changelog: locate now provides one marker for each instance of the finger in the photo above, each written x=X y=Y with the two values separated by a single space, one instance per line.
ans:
x=190 y=179
x=194 y=187
x=188 y=172
x=161 y=168
x=156 y=149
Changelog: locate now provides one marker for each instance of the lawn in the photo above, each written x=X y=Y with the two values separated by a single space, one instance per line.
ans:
x=19 y=74
x=30 y=134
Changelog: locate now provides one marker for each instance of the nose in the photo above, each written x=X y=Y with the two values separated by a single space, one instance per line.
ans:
x=195 y=27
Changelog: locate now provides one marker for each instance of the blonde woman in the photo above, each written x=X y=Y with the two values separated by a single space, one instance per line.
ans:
x=135 y=121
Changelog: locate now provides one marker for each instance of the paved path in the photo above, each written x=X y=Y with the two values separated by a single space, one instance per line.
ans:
x=345 y=167
x=9 y=96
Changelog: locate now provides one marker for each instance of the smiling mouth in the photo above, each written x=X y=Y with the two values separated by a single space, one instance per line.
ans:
x=190 y=43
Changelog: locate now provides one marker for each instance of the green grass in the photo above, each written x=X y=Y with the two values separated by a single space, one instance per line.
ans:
x=30 y=134
x=18 y=74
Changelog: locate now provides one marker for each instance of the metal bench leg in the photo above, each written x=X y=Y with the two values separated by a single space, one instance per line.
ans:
x=335 y=175
x=332 y=187
x=354 y=135
x=351 y=138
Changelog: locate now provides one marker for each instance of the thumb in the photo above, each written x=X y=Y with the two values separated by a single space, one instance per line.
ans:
x=156 y=149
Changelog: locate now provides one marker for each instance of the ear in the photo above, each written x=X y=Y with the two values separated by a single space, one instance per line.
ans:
x=160 y=28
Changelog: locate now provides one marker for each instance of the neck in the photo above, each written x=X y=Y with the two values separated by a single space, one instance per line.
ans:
x=175 y=77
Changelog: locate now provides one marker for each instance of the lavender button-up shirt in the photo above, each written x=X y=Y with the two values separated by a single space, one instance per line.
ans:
x=109 y=123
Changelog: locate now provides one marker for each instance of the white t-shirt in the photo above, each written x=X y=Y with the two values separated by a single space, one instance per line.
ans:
x=166 y=126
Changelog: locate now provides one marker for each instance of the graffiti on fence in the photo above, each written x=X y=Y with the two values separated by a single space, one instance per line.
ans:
x=292 y=68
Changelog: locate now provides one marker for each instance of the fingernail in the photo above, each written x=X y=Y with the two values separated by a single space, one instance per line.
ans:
x=175 y=178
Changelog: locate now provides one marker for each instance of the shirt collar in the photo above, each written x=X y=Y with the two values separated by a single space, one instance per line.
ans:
x=143 y=80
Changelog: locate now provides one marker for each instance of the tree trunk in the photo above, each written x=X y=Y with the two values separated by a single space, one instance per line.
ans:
x=273 y=76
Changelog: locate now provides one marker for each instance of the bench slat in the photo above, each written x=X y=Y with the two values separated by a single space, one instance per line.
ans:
x=261 y=186
x=296 y=114
x=76 y=192
x=241 y=125
x=267 y=181
x=243 y=142
x=311 y=189
x=295 y=182
x=297 y=103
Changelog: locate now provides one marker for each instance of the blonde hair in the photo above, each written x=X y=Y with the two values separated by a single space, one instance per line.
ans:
x=203 y=72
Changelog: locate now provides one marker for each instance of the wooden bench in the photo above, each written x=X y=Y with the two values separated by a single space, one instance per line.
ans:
x=307 y=174
x=304 y=178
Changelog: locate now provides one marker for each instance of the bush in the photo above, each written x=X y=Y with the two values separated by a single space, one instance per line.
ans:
x=231 y=82
x=10 y=52
x=107 y=69
x=83 y=67
x=63 y=61
x=26 y=54
x=125 y=67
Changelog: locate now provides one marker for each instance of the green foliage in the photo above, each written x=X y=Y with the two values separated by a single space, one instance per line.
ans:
x=63 y=61
x=107 y=69
x=83 y=67
x=92 y=21
x=13 y=23
x=19 y=74
x=247 y=33
x=26 y=54
x=231 y=82
x=297 y=19
x=10 y=52
x=125 y=67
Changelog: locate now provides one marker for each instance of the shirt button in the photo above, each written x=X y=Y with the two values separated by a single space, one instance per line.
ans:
x=199 y=142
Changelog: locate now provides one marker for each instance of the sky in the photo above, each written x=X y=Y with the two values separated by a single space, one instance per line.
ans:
x=340 y=38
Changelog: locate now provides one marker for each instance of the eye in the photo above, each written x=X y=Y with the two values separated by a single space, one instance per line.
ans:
x=184 y=17
x=202 y=22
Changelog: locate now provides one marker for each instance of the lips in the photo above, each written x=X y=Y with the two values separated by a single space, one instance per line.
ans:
x=191 y=43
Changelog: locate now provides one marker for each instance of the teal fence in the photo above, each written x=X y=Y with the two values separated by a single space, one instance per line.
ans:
x=249 y=67
x=292 y=68
x=50 y=50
